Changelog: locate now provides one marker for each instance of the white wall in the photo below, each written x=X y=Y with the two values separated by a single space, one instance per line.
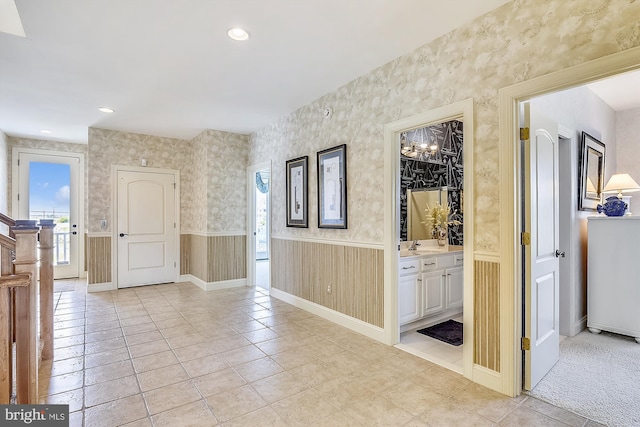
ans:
x=628 y=151
x=577 y=109
x=4 y=186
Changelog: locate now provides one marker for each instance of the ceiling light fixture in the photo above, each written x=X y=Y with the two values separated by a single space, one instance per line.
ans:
x=238 y=34
x=45 y=131
x=106 y=110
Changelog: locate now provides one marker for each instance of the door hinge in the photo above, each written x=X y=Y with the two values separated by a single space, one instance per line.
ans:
x=526 y=344
x=524 y=134
x=18 y=196
x=174 y=264
x=525 y=238
x=174 y=185
x=398 y=247
x=18 y=161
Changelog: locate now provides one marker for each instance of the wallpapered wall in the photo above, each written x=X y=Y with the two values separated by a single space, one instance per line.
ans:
x=516 y=42
x=107 y=148
x=443 y=167
x=212 y=175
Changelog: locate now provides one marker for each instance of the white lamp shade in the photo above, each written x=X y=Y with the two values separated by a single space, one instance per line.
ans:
x=621 y=183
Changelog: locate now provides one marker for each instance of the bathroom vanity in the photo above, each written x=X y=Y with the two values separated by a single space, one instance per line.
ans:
x=430 y=285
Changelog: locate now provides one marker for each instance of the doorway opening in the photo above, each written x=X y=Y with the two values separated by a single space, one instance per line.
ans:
x=511 y=212
x=47 y=185
x=259 y=226
x=438 y=285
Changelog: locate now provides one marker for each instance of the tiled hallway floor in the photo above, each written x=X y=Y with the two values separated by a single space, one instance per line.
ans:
x=174 y=355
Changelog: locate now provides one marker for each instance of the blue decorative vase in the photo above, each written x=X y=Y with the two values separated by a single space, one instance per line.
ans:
x=613 y=207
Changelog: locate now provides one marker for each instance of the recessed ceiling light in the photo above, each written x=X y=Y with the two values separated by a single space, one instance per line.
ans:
x=46 y=131
x=238 y=34
x=106 y=109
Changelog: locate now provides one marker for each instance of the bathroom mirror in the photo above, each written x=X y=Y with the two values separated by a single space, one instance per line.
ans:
x=417 y=201
x=431 y=163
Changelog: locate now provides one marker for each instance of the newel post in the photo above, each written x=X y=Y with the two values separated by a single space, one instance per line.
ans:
x=46 y=287
x=26 y=313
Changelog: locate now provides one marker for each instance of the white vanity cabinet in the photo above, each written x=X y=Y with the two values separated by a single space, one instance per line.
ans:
x=613 y=275
x=409 y=291
x=438 y=287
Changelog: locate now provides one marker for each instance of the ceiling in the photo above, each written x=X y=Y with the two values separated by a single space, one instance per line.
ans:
x=168 y=68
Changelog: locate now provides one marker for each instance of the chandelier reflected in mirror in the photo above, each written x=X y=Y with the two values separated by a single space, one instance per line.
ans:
x=419 y=144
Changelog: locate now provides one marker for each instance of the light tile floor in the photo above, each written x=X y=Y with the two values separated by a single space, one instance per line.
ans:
x=174 y=355
x=433 y=350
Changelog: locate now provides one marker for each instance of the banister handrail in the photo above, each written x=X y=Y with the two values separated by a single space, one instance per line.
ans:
x=15 y=280
x=6 y=220
x=7 y=242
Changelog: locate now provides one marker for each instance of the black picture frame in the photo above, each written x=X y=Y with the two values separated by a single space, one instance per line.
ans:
x=332 y=187
x=591 y=181
x=297 y=192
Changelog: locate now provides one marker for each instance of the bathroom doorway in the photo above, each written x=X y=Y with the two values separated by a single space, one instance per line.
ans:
x=425 y=152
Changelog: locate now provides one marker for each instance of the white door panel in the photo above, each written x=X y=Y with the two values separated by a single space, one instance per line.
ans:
x=67 y=233
x=146 y=228
x=541 y=266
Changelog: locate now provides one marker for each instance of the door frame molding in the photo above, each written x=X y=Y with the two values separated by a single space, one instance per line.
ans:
x=462 y=110
x=81 y=199
x=510 y=211
x=115 y=169
x=251 y=220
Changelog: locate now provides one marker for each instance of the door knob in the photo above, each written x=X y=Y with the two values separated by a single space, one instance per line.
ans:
x=559 y=254
x=122 y=234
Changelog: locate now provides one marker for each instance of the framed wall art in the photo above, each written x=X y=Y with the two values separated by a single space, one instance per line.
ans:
x=332 y=187
x=591 y=173
x=297 y=192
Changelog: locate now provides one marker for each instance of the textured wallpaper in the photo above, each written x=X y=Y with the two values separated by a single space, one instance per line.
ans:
x=514 y=43
x=107 y=148
x=219 y=168
x=212 y=175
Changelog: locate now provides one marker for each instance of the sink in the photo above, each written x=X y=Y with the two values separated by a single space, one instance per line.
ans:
x=426 y=249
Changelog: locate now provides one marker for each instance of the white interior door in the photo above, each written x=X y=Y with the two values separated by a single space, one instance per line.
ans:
x=146 y=228
x=49 y=187
x=541 y=266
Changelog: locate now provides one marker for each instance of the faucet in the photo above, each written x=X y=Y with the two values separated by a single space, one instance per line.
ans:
x=414 y=245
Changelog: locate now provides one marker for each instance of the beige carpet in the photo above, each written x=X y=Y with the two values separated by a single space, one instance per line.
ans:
x=598 y=376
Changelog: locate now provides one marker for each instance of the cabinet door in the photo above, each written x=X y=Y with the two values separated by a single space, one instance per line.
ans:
x=409 y=298
x=433 y=292
x=455 y=287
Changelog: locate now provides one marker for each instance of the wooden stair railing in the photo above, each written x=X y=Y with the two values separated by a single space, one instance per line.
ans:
x=19 y=311
x=26 y=313
x=7 y=285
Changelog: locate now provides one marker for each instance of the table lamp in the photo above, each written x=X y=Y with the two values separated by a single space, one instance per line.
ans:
x=622 y=183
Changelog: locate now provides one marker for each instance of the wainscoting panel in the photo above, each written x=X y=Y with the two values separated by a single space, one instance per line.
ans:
x=347 y=279
x=227 y=258
x=98 y=260
x=213 y=258
x=486 y=309
x=185 y=254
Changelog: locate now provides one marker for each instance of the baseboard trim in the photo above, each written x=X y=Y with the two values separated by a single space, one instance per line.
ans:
x=348 y=322
x=488 y=378
x=101 y=287
x=579 y=326
x=212 y=286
